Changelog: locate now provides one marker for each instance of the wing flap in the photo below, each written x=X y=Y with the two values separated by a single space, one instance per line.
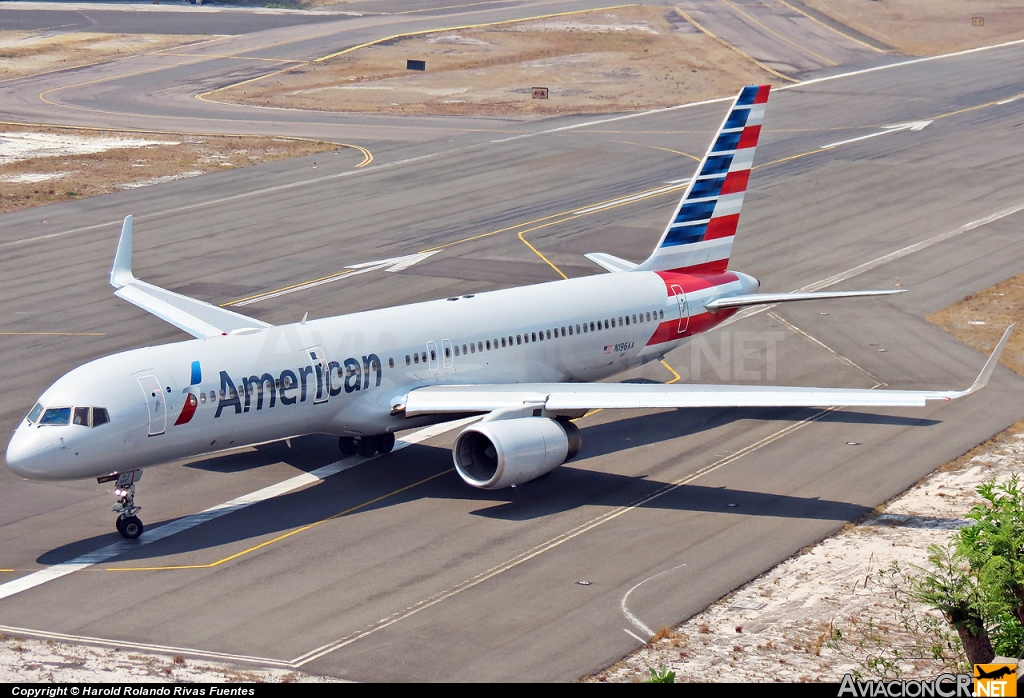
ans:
x=559 y=397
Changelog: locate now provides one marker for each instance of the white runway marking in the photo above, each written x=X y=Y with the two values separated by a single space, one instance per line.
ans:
x=629 y=615
x=912 y=126
x=48 y=574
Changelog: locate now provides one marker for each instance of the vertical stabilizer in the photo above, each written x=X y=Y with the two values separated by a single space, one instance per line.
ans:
x=699 y=237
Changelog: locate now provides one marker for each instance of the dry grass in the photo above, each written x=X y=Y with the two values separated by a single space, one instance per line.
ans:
x=29 y=53
x=607 y=61
x=76 y=176
x=979 y=320
x=929 y=27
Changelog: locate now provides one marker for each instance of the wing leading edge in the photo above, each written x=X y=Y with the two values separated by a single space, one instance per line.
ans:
x=569 y=397
x=198 y=318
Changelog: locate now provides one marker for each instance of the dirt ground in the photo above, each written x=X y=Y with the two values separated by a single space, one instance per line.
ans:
x=979 y=320
x=29 y=53
x=929 y=27
x=48 y=165
x=626 y=59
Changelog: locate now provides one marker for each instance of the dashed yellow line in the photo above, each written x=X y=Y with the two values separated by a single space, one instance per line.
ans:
x=775 y=33
x=738 y=50
x=282 y=537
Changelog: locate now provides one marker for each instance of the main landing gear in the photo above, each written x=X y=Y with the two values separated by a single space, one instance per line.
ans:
x=127 y=523
x=366 y=446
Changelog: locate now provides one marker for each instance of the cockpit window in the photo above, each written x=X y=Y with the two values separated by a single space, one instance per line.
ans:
x=99 y=416
x=56 y=416
x=33 y=416
x=81 y=416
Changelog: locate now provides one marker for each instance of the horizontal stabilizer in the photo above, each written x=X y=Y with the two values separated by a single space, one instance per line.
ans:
x=198 y=318
x=610 y=261
x=573 y=397
x=765 y=298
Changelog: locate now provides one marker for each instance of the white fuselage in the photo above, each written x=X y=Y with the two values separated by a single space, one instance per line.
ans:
x=342 y=375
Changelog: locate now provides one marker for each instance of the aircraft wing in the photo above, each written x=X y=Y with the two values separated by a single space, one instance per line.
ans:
x=198 y=318
x=569 y=397
x=765 y=298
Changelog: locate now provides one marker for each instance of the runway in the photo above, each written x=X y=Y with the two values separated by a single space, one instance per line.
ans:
x=393 y=569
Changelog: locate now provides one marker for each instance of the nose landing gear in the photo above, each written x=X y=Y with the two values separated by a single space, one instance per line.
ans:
x=127 y=523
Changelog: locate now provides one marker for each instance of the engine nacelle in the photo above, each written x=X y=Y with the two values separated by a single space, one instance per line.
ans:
x=495 y=454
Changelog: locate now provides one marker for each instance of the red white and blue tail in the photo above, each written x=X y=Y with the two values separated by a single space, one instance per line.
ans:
x=699 y=237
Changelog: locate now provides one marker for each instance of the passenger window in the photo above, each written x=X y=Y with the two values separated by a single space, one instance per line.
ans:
x=408 y=359
x=56 y=417
x=488 y=345
x=648 y=317
x=202 y=397
x=480 y=346
x=519 y=339
x=627 y=319
x=570 y=330
x=33 y=416
x=620 y=322
x=423 y=357
x=591 y=327
x=661 y=314
x=433 y=355
x=100 y=416
x=222 y=393
x=472 y=348
x=391 y=363
x=447 y=353
x=81 y=416
x=416 y=358
x=213 y=396
x=502 y=342
x=456 y=349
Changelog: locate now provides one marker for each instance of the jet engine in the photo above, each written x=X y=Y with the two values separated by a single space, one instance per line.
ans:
x=495 y=454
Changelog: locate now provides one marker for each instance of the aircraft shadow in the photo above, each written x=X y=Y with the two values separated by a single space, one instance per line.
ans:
x=568 y=487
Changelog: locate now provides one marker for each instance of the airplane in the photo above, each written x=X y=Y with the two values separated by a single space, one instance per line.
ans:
x=528 y=359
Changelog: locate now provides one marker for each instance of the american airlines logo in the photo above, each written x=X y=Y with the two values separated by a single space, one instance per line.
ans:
x=314 y=383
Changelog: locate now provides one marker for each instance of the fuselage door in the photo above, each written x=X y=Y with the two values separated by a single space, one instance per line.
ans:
x=157 y=403
x=432 y=355
x=446 y=353
x=684 y=312
x=320 y=368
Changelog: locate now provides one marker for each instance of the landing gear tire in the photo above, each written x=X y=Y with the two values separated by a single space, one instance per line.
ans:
x=347 y=445
x=385 y=442
x=131 y=528
x=367 y=446
x=127 y=523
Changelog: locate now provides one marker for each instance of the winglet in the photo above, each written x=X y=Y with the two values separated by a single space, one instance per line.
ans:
x=121 y=272
x=990 y=365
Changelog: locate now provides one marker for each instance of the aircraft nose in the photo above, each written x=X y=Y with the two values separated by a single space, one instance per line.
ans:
x=30 y=453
